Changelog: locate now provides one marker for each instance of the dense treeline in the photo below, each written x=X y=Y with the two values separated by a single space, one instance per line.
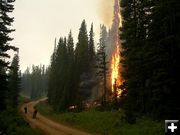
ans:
x=34 y=81
x=70 y=66
x=60 y=68
x=151 y=33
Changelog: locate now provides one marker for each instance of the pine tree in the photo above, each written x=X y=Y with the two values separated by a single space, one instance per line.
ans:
x=68 y=65
x=52 y=75
x=164 y=40
x=102 y=62
x=81 y=53
x=136 y=15
x=91 y=44
x=70 y=46
x=71 y=82
x=59 y=74
x=14 y=82
x=5 y=23
x=151 y=50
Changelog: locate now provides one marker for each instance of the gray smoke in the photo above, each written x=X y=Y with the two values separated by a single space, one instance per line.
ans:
x=113 y=33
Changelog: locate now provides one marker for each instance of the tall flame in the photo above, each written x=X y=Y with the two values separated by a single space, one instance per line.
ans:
x=115 y=63
x=115 y=58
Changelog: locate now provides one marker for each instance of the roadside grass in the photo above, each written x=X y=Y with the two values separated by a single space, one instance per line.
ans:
x=104 y=123
x=11 y=123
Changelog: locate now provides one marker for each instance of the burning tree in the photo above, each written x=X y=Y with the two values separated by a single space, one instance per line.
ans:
x=113 y=50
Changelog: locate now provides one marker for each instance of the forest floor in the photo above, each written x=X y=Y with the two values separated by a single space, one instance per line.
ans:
x=49 y=127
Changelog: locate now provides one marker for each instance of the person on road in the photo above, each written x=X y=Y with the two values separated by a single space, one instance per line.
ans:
x=35 y=113
x=25 y=109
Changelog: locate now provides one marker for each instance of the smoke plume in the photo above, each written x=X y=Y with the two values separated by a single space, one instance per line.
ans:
x=105 y=11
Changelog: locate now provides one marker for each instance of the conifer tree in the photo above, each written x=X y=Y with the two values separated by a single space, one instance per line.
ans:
x=60 y=70
x=150 y=49
x=164 y=40
x=91 y=44
x=135 y=32
x=5 y=24
x=70 y=47
x=14 y=82
x=101 y=63
x=71 y=82
x=81 y=53
x=52 y=75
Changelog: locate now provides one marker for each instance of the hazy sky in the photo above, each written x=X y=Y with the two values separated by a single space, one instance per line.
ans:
x=38 y=22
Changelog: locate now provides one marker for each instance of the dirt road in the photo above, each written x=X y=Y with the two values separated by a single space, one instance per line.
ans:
x=48 y=126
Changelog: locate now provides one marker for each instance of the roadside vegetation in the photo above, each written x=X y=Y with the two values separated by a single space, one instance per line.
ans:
x=103 y=122
x=12 y=123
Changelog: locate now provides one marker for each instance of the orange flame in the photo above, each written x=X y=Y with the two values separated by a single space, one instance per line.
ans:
x=115 y=58
x=115 y=68
x=120 y=21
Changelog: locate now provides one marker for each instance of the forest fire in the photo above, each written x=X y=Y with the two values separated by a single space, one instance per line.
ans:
x=116 y=80
x=115 y=76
